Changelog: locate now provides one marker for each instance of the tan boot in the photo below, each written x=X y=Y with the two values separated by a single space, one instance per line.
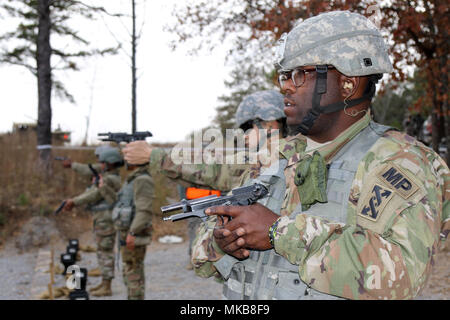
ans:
x=87 y=248
x=104 y=290
x=96 y=287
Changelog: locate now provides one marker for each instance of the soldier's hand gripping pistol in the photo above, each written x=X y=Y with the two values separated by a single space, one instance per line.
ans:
x=242 y=196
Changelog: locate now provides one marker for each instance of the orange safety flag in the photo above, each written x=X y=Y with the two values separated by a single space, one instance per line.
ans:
x=195 y=193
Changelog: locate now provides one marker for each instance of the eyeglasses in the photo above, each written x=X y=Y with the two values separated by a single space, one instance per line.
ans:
x=298 y=76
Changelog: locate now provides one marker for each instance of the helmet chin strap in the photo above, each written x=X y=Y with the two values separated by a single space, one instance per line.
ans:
x=320 y=88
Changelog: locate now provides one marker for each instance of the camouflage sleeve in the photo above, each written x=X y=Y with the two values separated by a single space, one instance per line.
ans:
x=83 y=168
x=205 y=250
x=445 y=229
x=94 y=194
x=90 y=196
x=110 y=188
x=387 y=248
x=143 y=198
x=216 y=176
x=354 y=262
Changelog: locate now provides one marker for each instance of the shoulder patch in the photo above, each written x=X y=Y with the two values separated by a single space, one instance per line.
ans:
x=375 y=201
x=397 y=179
x=385 y=192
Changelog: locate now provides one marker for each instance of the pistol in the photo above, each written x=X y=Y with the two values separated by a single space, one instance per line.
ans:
x=95 y=174
x=61 y=206
x=61 y=158
x=242 y=196
x=119 y=137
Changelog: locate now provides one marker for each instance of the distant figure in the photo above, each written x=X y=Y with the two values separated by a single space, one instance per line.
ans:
x=132 y=218
x=100 y=198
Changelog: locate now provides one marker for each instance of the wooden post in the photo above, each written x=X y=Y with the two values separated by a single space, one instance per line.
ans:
x=52 y=275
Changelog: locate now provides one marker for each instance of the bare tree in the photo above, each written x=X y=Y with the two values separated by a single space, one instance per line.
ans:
x=29 y=46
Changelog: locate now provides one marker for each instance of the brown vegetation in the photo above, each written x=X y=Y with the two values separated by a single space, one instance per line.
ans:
x=26 y=192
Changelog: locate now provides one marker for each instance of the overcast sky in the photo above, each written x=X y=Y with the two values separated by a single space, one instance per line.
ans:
x=176 y=93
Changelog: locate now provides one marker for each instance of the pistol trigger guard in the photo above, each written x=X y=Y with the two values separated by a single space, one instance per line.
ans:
x=185 y=203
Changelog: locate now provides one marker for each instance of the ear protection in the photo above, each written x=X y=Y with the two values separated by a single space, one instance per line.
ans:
x=348 y=85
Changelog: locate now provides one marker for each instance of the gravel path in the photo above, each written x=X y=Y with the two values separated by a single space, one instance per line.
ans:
x=16 y=274
x=25 y=276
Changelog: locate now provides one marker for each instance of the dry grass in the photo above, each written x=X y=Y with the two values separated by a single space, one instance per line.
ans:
x=25 y=193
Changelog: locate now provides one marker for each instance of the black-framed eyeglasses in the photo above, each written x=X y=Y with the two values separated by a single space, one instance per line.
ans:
x=298 y=76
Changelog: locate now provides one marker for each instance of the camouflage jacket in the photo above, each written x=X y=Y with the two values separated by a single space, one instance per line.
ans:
x=94 y=194
x=385 y=258
x=83 y=168
x=143 y=197
x=217 y=176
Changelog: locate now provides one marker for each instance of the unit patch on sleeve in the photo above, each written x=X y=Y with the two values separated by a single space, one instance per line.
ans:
x=383 y=191
x=374 y=202
x=396 y=178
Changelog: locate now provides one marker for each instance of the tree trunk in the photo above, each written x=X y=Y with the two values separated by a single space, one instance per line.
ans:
x=133 y=70
x=44 y=135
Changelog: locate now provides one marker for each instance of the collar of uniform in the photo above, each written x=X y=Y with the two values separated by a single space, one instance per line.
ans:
x=137 y=172
x=293 y=147
x=115 y=171
x=329 y=150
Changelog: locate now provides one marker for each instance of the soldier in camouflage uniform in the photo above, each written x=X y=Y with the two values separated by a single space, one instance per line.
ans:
x=100 y=200
x=259 y=110
x=356 y=210
x=132 y=218
x=83 y=168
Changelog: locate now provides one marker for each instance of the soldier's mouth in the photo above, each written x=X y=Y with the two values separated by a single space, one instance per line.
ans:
x=288 y=103
x=288 y=106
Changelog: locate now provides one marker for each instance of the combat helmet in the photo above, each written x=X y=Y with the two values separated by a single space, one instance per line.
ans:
x=100 y=148
x=110 y=155
x=264 y=105
x=348 y=41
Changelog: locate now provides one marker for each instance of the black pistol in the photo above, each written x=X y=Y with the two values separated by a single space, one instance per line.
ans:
x=95 y=174
x=61 y=206
x=61 y=158
x=119 y=137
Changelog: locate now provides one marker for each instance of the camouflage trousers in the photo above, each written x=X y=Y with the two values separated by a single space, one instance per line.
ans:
x=105 y=236
x=133 y=269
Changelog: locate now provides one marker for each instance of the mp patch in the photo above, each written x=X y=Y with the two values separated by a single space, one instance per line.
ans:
x=397 y=178
x=375 y=201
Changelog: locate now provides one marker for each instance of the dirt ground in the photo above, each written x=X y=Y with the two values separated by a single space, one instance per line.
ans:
x=24 y=274
x=438 y=287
